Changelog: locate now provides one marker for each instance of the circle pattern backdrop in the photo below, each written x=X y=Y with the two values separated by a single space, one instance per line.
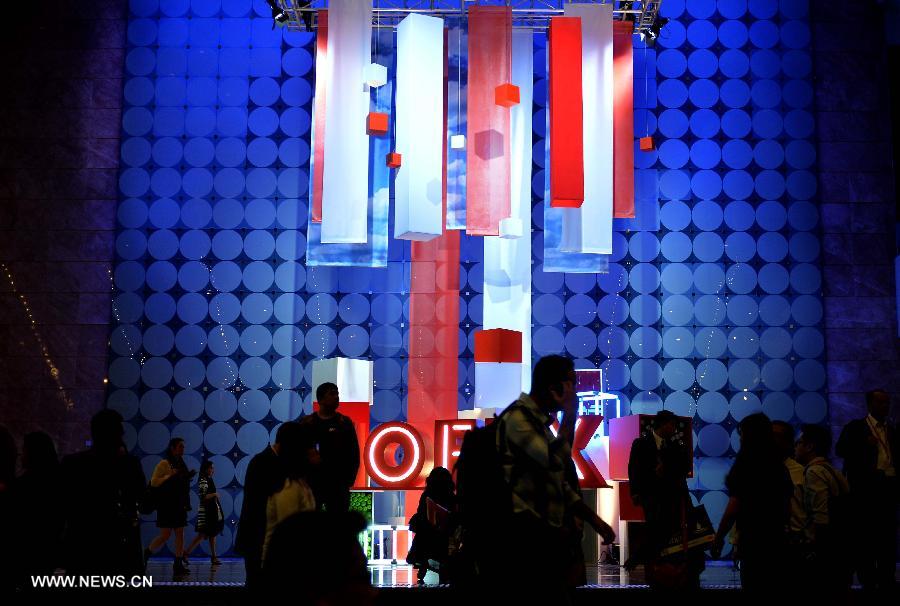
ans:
x=711 y=308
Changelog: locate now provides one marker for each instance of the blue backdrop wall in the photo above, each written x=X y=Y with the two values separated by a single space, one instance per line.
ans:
x=711 y=306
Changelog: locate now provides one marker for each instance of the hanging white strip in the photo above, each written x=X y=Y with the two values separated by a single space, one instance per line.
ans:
x=345 y=187
x=507 y=262
x=589 y=229
x=418 y=212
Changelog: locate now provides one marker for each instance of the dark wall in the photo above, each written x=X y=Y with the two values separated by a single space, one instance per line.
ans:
x=856 y=183
x=60 y=109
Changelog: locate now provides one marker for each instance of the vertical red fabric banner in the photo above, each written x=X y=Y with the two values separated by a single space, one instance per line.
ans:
x=623 y=120
x=488 y=145
x=566 y=114
x=319 y=115
x=432 y=389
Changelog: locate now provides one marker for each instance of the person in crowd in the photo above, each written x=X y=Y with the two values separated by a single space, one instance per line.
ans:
x=825 y=498
x=9 y=455
x=784 y=441
x=870 y=448
x=291 y=493
x=759 y=489
x=338 y=447
x=658 y=467
x=172 y=481
x=210 y=518
x=432 y=522
x=534 y=467
x=316 y=558
x=101 y=488
x=38 y=508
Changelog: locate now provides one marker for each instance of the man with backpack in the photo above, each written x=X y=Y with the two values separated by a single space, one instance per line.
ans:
x=826 y=494
x=515 y=499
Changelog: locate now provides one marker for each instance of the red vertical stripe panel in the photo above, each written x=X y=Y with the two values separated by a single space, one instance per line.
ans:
x=488 y=145
x=623 y=121
x=566 y=114
x=319 y=115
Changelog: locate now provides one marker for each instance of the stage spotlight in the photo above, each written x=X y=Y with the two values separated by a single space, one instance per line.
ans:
x=278 y=15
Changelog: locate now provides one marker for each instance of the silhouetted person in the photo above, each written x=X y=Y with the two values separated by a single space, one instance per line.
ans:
x=9 y=453
x=658 y=468
x=759 y=489
x=290 y=493
x=172 y=482
x=338 y=448
x=316 y=559
x=870 y=448
x=534 y=467
x=102 y=487
x=210 y=518
x=783 y=433
x=263 y=472
x=825 y=494
x=38 y=514
x=432 y=532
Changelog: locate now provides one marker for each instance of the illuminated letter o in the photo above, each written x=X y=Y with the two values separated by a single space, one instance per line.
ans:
x=383 y=442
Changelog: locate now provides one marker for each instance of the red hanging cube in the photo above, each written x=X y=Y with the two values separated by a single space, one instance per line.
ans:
x=498 y=345
x=647 y=144
x=376 y=123
x=506 y=95
x=393 y=160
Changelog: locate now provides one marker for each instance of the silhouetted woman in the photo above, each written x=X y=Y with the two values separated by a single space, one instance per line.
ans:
x=210 y=518
x=172 y=481
x=432 y=532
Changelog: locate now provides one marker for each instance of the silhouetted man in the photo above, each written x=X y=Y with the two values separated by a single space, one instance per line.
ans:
x=101 y=488
x=870 y=449
x=338 y=447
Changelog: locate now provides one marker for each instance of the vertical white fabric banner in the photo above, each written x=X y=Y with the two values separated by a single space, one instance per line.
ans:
x=589 y=229
x=345 y=187
x=418 y=206
x=507 y=262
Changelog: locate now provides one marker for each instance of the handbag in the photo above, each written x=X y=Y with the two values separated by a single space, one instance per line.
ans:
x=149 y=500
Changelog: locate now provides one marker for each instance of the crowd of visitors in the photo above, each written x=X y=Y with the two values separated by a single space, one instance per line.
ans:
x=507 y=521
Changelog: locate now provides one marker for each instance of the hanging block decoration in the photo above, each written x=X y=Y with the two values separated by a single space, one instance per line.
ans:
x=376 y=75
x=498 y=345
x=647 y=144
x=511 y=228
x=318 y=122
x=506 y=95
x=623 y=111
x=345 y=184
x=420 y=133
x=393 y=160
x=566 y=114
x=377 y=123
x=487 y=155
x=457 y=77
x=497 y=384
x=354 y=378
x=457 y=142
x=589 y=229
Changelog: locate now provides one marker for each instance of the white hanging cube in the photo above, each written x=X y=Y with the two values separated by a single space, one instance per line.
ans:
x=497 y=384
x=457 y=141
x=511 y=227
x=354 y=378
x=376 y=75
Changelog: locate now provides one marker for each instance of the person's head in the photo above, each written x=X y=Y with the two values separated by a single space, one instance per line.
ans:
x=207 y=469
x=664 y=423
x=107 y=430
x=8 y=455
x=175 y=449
x=38 y=452
x=297 y=450
x=328 y=397
x=440 y=481
x=548 y=380
x=783 y=432
x=878 y=401
x=815 y=441
x=332 y=574
x=757 y=438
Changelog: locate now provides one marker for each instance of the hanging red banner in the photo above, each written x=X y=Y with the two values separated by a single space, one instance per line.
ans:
x=623 y=120
x=566 y=114
x=488 y=147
